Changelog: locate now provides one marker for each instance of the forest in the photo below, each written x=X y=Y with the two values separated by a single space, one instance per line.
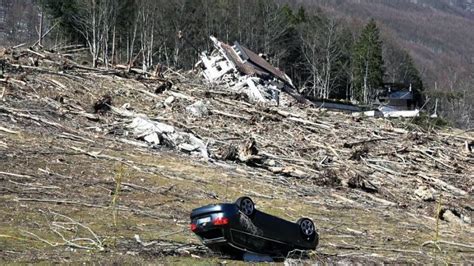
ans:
x=328 y=56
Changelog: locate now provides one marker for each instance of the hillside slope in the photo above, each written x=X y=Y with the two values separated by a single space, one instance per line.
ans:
x=439 y=34
x=369 y=184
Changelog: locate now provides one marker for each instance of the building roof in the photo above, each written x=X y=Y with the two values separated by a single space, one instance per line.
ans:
x=401 y=95
x=249 y=63
x=263 y=64
x=234 y=57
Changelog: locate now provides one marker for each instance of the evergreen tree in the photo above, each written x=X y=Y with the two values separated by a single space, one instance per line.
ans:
x=367 y=64
x=410 y=76
x=291 y=60
x=343 y=65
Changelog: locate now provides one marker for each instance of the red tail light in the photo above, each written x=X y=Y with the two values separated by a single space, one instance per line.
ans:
x=193 y=227
x=221 y=221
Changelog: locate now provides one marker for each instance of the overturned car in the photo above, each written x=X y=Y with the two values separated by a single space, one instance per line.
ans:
x=236 y=228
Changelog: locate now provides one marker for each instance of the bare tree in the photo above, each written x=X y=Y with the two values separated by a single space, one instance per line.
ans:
x=147 y=14
x=457 y=99
x=93 y=23
x=274 y=29
x=40 y=28
x=321 y=50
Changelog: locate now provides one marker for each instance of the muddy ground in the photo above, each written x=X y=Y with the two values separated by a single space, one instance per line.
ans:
x=60 y=164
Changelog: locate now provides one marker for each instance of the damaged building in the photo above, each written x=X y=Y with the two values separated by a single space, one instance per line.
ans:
x=397 y=100
x=245 y=71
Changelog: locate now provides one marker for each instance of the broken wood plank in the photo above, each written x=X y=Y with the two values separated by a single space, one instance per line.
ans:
x=443 y=185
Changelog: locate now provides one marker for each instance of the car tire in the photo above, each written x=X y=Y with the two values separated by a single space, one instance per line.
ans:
x=246 y=205
x=307 y=228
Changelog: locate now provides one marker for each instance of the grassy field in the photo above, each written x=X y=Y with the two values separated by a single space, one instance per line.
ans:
x=48 y=178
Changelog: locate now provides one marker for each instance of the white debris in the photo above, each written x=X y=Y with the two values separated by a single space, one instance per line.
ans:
x=254 y=92
x=143 y=126
x=450 y=217
x=126 y=106
x=425 y=194
x=198 y=109
x=153 y=132
x=216 y=67
x=389 y=111
x=169 y=101
x=466 y=218
x=153 y=138
x=244 y=71
x=370 y=113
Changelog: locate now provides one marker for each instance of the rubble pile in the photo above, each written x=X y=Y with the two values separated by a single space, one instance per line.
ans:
x=356 y=162
x=241 y=70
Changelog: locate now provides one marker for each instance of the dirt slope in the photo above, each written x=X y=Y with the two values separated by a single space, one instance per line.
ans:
x=361 y=180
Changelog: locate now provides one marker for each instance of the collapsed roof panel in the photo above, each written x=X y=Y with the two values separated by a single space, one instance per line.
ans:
x=236 y=60
x=258 y=61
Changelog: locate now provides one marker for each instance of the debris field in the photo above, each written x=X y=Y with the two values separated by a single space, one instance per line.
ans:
x=106 y=165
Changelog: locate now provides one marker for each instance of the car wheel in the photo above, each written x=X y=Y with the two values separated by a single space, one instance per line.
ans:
x=246 y=205
x=307 y=227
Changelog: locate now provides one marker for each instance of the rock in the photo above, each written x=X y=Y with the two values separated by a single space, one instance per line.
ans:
x=198 y=109
x=424 y=193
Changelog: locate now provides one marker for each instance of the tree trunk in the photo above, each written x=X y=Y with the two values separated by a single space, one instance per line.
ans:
x=113 y=46
x=365 y=98
x=94 y=34
x=40 y=30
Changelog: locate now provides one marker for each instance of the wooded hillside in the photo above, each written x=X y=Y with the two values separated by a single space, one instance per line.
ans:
x=437 y=34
